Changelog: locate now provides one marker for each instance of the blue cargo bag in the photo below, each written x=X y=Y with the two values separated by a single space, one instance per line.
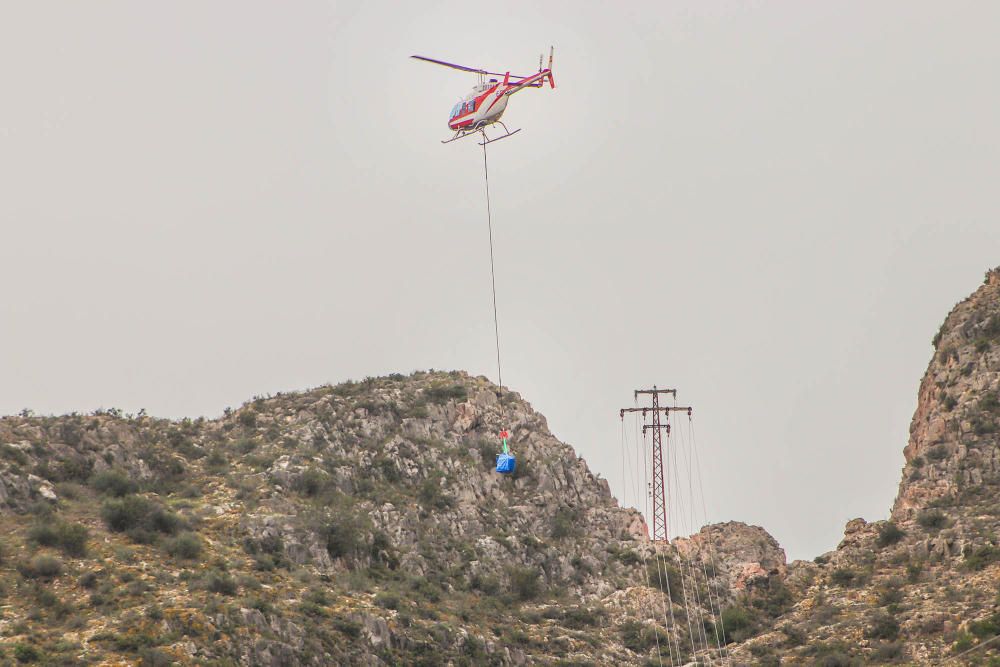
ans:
x=505 y=463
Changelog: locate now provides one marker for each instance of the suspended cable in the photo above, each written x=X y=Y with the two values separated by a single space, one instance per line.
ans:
x=692 y=527
x=720 y=635
x=493 y=280
x=687 y=580
x=645 y=562
x=662 y=575
x=645 y=567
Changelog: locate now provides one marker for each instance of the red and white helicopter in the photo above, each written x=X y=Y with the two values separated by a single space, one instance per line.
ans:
x=487 y=101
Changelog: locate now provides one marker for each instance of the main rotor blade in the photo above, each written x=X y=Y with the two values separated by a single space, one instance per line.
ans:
x=463 y=67
x=451 y=65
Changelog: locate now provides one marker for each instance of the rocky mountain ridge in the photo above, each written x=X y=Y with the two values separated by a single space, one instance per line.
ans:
x=363 y=524
x=353 y=524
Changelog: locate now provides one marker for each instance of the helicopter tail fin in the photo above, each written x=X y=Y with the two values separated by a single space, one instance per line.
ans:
x=552 y=81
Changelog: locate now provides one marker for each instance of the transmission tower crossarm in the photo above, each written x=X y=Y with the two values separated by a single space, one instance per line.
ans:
x=687 y=409
x=654 y=390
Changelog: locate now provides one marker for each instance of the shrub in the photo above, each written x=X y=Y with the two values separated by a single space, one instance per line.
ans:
x=390 y=472
x=566 y=523
x=794 y=636
x=41 y=567
x=666 y=578
x=888 y=652
x=962 y=643
x=486 y=584
x=981 y=426
x=186 y=545
x=991 y=329
x=311 y=482
x=432 y=495
x=313 y=609
x=220 y=582
x=990 y=403
x=344 y=536
x=883 y=626
x=629 y=557
x=986 y=628
x=71 y=538
x=154 y=657
x=73 y=470
x=525 y=583
x=739 y=624
x=978 y=558
x=843 y=576
x=25 y=653
x=387 y=600
x=88 y=580
x=632 y=636
x=889 y=595
x=444 y=394
x=140 y=517
x=113 y=483
x=216 y=461
x=932 y=519
x=834 y=658
x=888 y=533
x=349 y=627
x=488 y=451
x=938 y=453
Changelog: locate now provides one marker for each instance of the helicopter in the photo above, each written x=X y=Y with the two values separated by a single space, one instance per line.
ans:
x=487 y=101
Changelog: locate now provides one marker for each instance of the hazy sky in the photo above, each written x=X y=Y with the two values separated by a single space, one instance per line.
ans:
x=771 y=206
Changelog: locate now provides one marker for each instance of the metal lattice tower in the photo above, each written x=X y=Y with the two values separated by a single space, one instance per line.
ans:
x=658 y=486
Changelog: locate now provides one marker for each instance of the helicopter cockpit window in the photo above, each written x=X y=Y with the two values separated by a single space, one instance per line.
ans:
x=456 y=110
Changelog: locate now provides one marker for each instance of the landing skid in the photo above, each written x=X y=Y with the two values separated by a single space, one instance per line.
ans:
x=461 y=134
x=487 y=140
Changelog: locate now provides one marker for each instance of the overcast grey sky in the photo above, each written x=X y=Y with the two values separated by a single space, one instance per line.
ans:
x=770 y=206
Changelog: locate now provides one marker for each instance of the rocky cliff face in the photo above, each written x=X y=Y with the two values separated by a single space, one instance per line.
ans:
x=921 y=587
x=953 y=452
x=744 y=556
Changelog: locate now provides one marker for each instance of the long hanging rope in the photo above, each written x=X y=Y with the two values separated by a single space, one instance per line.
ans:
x=493 y=279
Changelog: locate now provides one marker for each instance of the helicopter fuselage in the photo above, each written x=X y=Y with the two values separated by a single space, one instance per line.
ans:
x=483 y=106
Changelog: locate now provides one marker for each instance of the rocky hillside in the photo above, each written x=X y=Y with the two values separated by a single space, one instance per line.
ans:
x=922 y=586
x=353 y=524
x=363 y=524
